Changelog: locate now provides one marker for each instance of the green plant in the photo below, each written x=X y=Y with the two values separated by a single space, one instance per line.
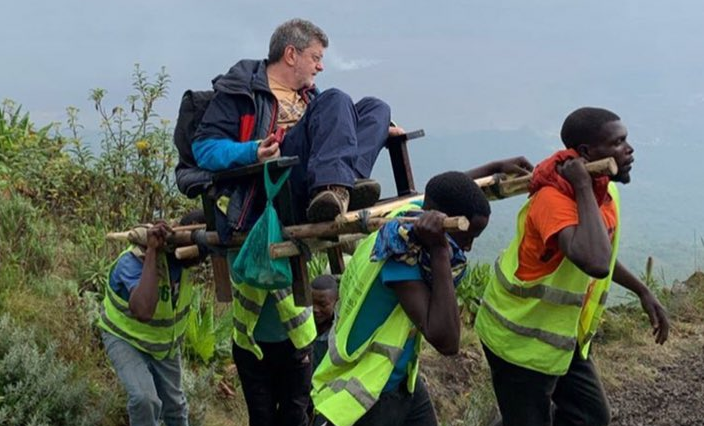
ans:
x=471 y=288
x=200 y=329
x=137 y=154
x=36 y=387
x=198 y=384
x=28 y=239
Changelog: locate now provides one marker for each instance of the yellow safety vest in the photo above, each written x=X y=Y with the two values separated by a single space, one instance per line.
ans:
x=538 y=324
x=247 y=303
x=347 y=385
x=160 y=336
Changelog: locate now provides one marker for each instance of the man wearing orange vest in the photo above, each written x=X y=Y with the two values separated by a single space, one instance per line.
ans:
x=543 y=304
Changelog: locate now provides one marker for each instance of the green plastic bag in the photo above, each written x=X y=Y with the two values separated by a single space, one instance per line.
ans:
x=253 y=264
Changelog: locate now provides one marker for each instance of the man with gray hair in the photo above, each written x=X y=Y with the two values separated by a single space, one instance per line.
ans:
x=336 y=140
x=263 y=109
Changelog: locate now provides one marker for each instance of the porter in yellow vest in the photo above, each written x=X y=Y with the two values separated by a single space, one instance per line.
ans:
x=273 y=353
x=144 y=318
x=392 y=295
x=543 y=305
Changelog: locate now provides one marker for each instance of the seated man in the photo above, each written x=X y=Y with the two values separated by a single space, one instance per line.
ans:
x=399 y=289
x=147 y=290
x=336 y=140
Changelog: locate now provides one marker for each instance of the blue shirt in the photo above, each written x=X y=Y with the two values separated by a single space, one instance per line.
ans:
x=128 y=271
x=376 y=308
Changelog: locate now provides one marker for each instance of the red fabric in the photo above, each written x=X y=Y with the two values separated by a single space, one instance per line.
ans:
x=246 y=127
x=545 y=174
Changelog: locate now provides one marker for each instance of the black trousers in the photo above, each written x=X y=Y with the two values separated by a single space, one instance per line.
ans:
x=277 y=388
x=401 y=408
x=529 y=398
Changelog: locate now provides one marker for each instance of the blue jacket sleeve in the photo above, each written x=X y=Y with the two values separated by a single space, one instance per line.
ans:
x=216 y=145
x=223 y=154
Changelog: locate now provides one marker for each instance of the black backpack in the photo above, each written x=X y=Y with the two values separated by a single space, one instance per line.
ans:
x=190 y=113
x=191 y=180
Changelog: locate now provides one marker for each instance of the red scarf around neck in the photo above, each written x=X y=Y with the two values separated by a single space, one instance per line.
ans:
x=545 y=174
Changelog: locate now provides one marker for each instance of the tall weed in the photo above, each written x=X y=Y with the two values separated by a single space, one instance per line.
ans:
x=38 y=388
x=29 y=240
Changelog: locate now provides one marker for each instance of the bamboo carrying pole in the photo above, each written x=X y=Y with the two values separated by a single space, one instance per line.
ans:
x=311 y=230
x=349 y=227
x=495 y=187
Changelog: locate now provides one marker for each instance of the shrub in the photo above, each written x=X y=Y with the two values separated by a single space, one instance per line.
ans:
x=37 y=388
x=28 y=239
x=198 y=387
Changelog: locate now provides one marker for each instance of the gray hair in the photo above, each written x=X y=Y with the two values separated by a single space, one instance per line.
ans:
x=298 y=33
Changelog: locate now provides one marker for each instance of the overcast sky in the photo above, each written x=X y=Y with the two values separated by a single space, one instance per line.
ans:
x=465 y=71
x=444 y=66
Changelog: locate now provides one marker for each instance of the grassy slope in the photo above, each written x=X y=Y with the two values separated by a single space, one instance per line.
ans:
x=625 y=354
x=51 y=295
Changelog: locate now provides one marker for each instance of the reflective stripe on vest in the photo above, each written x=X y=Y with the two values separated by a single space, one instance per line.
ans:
x=539 y=324
x=347 y=385
x=164 y=323
x=392 y=353
x=149 y=347
x=539 y=291
x=163 y=333
x=355 y=388
x=247 y=306
x=565 y=343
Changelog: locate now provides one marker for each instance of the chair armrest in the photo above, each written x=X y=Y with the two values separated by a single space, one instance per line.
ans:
x=276 y=165
x=415 y=134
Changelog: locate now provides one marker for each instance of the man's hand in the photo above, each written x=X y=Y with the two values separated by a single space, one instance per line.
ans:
x=519 y=166
x=511 y=166
x=396 y=131
x=156 y=235
x=657 y=315
x=575 y=172
x=429 y=230
x=268 y=149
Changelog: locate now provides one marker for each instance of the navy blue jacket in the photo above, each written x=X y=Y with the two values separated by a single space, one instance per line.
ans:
x=243 y=110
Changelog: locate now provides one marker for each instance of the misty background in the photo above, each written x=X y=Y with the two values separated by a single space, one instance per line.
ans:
x=484 y=79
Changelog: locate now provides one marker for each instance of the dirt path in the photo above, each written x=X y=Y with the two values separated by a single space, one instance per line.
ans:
x=676 y=398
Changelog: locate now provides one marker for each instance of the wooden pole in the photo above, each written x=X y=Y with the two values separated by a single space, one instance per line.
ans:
x=187 y=252
x=495 y=187
x=311 y=230
x=289 y=249
x=283 y=249
x=351 y=223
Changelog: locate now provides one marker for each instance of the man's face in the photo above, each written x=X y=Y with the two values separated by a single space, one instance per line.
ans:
x=465 y=239
x=613 y=143
x=307 y=64
x=323 y=305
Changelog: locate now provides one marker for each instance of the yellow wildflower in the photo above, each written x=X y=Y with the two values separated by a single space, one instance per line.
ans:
x=142 y=146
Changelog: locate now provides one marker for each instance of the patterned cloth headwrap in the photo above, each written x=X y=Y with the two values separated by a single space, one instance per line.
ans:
x=397 y=241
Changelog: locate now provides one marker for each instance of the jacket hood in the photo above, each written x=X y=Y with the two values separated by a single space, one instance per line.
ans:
x=249 y=75
x=245 y=76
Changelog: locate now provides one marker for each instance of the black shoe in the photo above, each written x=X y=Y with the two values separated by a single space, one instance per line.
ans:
x=365 y=193
x=328 y=203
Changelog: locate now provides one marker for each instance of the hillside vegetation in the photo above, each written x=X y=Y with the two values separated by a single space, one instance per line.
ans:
x=58 y=201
